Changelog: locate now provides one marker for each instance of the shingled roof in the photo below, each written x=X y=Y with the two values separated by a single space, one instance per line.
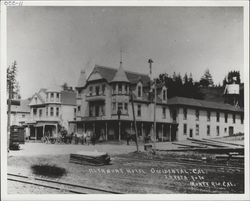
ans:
x=108 y=74
x=120 y=75
x=203 y=104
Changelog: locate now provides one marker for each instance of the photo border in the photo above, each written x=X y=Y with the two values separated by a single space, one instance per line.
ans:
x=179 y=3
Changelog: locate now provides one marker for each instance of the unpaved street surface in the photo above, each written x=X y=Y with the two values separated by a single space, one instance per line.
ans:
x=129 y=172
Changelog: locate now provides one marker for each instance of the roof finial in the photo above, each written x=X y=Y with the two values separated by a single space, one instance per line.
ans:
x=120 y=55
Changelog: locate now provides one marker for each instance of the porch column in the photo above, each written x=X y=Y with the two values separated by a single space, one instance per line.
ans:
x=106 y=131
x=131 y=128
x=162 y=132
x=84 y=129
x=56 y=130
x=94 y=127
x=35 y=134
x=170 y=132
x=119 y=127
x=43 y=130
x=142 y=133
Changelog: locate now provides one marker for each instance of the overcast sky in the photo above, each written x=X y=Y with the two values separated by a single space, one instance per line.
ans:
x=52 y=44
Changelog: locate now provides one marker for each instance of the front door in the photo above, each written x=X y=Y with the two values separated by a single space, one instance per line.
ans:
x=191 y=133
x=231 y=130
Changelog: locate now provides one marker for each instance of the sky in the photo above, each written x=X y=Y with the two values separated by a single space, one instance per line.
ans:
x=53 y=44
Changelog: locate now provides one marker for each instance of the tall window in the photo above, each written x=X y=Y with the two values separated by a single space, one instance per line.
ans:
x=184 y=113
x=97 y=90
x=90 y=90
x=119 y=88
x=36 y=100
x=139 y=91
x=114 y=106
x=57 y=111
x=138 y=110
x=103 y=89
x=52 y=96
x=102 y=110
x=34 y=111
x=164 y=113
x=208 y=115
x=126 y=107
x=164 y=95
x=114 y=89
x=197 y=114
x=217 y=116
x=217 y=130
x=126 y=89
x=208 y=130
x=57 y=97
x=234 y=118
x=47 y=111
x=184 y=129
x=40 y=112
x=120 y=106
x=51 y=111
x=74 y=111
x=79 y=108
x=197 y=129
x=226 y=117
x=242 y=118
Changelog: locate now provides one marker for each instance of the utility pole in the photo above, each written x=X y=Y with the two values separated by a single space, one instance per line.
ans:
x=150 y=61
x=9 y=113
x=133 y=109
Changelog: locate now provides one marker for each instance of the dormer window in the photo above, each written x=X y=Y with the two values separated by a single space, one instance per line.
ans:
x=90 y=90
x=114 y=89
x=57 y=97
x=126 y=89
x=139 y=91
x=103 y=89
x=97 y=90
x=52 y=96
x=119 y=88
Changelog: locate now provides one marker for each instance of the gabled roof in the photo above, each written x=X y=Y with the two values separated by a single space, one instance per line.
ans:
x=203 y=104
x=82 y=79
x=22 y=108
x=120 y=75
x=108 y=74
x=68 y=98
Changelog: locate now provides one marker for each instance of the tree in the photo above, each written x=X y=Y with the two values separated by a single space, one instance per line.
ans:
x=13 y=92
x=12 y=83
x=232 y=77
x=206 y=80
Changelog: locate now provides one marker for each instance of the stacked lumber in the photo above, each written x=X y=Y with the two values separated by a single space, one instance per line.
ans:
x=90 y=158
x=212 y=146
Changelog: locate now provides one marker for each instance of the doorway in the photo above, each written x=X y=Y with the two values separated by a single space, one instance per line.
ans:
x=231 y=130
x=191 y=133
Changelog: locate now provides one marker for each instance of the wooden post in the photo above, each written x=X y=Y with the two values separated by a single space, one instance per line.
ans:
x=9 y=114
x=170 y=132
x=119 y=127
x=131 y=128
x=106 y=131
x=43 y=130
x=84 y=128
x=35 y=134
x=133 y=110
x=142 y=133
x=94 y=128
x=162 y=132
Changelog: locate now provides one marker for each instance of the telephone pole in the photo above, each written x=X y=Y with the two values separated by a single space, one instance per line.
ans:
x=150 y=61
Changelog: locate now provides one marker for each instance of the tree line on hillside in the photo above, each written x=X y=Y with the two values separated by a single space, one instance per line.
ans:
x=187 y=87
